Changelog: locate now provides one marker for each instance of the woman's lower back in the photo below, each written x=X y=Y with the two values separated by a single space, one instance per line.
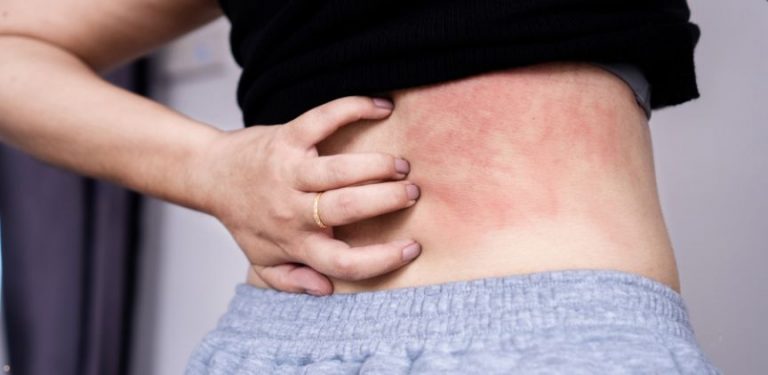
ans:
x=542 y=168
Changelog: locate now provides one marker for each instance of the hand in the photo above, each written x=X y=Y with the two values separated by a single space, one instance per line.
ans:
x=261 y=183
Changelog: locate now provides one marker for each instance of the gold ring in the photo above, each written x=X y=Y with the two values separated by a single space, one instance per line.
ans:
x=316 y=212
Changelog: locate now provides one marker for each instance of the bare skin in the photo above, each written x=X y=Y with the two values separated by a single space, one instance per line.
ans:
x=526 y=170
x=256 y=181
x=530 y=170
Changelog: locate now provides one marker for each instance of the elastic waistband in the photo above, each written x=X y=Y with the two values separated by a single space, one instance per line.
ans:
x=635 y=79
x=491 y=306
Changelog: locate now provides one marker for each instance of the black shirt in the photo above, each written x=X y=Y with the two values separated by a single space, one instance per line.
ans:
x=297 y=54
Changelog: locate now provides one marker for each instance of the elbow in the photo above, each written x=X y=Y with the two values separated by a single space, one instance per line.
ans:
x=11 y=41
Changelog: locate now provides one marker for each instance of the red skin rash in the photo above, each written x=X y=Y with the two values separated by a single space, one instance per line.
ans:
x=503 y=152
x=504 y=158
x=534 y=169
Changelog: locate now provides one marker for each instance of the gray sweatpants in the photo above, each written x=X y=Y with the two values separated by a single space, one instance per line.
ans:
x=564 y=322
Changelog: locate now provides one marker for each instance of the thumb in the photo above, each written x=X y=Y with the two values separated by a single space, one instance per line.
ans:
x=296 y=278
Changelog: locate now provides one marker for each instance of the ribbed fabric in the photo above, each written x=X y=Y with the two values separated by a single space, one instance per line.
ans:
x=299 y=54
x=564 y=322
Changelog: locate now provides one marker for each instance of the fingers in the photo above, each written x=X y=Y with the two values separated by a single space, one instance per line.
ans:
x=331 y=172
x=335 y=258
x=318 y=123
x=351 y=204
x=295 y=278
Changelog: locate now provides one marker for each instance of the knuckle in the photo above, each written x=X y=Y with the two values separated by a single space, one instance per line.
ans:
x=327 y=113
x=284 y=138
x=275 y=145
x=346 y=205
x=345 y=267
x=287 y=130
x=301 y=249
x=281 y=214
x=278 y=278
x=386 y=165
x=302 y=176
x=398 y=194
x=275 y=279
x=338 y=170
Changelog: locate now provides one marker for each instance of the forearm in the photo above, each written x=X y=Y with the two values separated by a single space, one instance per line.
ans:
x=54 y=107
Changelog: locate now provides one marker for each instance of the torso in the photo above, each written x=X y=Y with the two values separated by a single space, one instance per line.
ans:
x=542 y=168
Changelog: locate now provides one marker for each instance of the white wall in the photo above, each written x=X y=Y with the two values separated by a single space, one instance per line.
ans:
x=712 y=165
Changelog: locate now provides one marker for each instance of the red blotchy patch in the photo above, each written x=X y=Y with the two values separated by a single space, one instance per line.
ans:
x=499 y=154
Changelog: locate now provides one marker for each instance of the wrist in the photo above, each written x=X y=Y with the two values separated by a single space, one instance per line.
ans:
x=195 y=169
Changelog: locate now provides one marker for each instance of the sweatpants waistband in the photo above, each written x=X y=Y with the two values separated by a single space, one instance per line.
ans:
x=500 y=306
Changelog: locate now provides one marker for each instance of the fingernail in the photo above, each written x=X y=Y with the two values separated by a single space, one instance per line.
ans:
x=413 y=192
x=383 y=103
x=411 y=252
x=315 y=292
x=402 y=166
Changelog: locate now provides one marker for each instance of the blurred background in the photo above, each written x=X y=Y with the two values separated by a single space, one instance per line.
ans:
x=97 y=280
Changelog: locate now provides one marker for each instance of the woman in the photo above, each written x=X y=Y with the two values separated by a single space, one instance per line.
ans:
x=538 y=239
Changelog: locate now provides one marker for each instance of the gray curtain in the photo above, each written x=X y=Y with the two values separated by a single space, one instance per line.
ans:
x=69 y=248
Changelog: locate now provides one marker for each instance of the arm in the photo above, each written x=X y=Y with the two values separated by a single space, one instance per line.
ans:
x=54 y=106
x=259 y=181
